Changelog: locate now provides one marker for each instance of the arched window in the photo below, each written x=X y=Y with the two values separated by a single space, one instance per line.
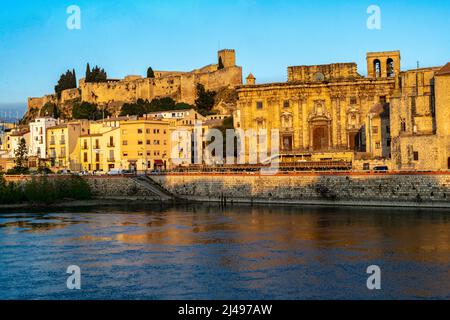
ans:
x=390 y=67
x=377 y=68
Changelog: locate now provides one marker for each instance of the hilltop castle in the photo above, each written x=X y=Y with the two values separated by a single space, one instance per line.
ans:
x=181 y=86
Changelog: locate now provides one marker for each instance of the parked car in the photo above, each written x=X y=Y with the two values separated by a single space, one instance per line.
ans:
x=83 y=173
x=115 y=172
x=98 y=173
x=380 y=168
x=64 y=172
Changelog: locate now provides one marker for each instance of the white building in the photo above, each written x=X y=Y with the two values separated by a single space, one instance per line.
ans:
x=38 y=136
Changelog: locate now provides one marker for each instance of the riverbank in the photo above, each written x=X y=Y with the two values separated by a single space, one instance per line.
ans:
x=425 y=190
x=341 y=189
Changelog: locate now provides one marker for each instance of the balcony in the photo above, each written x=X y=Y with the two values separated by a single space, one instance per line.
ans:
x=85 y=148
x=62 y=142
x=111 y=160
x=111 y=145
x=52 y=142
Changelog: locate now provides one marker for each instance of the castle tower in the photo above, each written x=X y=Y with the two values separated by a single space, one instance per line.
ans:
x=251 y=80
x=227 y=57
x=385 y=64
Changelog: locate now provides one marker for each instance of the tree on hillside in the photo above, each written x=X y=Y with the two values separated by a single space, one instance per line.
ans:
x=133 y=109
x=50 y=110
x=88 y=72
x=86 y=110
x=97 y=74
x=205 y=100
x=21 y=154
x=162 y=104
x=150 y=73
x=66 y=81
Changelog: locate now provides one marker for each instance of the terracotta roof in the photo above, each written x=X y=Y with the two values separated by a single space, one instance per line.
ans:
x=445 y=70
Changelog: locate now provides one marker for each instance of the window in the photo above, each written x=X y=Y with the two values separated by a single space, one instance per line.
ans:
x=378 y=145
x=85 y=157
x=147 y=131
x=403 y=126
x=286 y=104
x=125 y=142
x=390 y=67
x=377 y=68
x=140 y=142
x=97 y=157
x=148 y=142
x=140 y=131
x=259 y=105
x=388 y=143
x=375 y=130
x=416 y=155
x=353 y=100
x=125 y=154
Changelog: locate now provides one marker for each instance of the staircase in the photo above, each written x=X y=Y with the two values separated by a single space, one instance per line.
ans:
x=150 y=185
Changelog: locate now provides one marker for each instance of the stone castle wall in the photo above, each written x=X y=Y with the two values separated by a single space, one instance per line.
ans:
x=179 y=86
x=355 y=189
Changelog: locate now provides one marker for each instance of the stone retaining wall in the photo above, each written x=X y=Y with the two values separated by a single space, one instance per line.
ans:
x=352 y=189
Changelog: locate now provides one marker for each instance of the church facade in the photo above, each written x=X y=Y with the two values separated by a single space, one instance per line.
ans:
x=326 y=112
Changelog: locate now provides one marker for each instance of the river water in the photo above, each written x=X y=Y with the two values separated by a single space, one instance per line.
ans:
x=236 y=252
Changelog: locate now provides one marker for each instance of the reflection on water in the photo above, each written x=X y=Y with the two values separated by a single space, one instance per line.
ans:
x=239 y=252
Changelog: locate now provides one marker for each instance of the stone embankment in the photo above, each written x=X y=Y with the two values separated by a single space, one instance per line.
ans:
x=368 y=189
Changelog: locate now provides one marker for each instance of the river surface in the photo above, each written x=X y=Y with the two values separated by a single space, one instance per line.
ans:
x=237 y=252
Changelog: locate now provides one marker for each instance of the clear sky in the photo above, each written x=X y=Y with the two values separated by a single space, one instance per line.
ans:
x=125 y=37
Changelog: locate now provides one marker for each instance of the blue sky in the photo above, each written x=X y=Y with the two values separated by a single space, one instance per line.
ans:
x=125 y=37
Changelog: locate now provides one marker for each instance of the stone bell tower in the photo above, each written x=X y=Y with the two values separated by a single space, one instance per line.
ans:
x=385 y=64
x=228 y=57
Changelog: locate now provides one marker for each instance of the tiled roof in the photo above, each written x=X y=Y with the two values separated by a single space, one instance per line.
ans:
x=444 y=70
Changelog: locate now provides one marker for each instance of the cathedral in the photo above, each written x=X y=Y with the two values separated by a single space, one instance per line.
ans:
x=331 y=112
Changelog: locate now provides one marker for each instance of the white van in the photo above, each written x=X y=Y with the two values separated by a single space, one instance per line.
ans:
x=115 y=172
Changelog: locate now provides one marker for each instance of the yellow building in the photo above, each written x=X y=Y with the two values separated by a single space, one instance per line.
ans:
x=99 y=149
x=322 y=110
x=145 y=145
x=62 y=144
x=420 y=119
x=331 y=112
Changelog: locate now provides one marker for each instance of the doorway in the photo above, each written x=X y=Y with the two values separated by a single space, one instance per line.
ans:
x=286 y=143
x=320 y=137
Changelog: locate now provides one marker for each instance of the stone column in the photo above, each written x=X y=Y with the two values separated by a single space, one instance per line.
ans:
x=334 y=122
x=305 y=124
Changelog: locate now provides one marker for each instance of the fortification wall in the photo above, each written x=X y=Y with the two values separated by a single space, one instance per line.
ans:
x=431 y=190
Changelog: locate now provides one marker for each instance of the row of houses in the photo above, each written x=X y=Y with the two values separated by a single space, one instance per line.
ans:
x=156 y=141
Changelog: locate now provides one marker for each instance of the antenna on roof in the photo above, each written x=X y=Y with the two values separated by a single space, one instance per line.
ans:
x=417 y=64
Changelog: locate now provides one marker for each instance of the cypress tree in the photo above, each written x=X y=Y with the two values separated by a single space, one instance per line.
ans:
x=88 y=73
